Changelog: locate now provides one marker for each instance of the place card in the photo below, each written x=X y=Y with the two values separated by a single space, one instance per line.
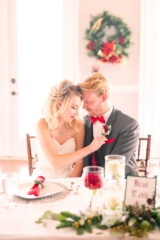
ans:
x=141 y=190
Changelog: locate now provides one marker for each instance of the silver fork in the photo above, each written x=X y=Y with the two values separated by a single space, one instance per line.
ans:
x=77 y=192
x=71 y=186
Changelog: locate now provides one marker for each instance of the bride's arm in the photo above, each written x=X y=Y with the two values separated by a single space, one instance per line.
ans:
x=49 y=149
x=78 y=168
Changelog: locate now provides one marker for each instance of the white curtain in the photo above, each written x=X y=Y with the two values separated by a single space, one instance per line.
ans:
x=149 y=97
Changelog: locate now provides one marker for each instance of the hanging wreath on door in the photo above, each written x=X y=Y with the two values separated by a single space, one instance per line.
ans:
x=112 y=48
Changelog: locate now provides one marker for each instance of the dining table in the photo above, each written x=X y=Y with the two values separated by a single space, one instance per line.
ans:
x=19 y=223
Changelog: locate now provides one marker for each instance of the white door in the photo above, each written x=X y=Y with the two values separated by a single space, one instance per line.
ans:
x=38 y=48
x=31 y=33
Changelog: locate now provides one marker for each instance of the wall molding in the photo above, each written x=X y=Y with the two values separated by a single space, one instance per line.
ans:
x=125 y=88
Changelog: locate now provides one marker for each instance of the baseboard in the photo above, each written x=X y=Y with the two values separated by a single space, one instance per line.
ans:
x=12 y=158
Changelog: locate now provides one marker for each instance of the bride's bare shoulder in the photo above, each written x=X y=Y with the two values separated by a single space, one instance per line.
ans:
x=80 y=124
x=42 y=124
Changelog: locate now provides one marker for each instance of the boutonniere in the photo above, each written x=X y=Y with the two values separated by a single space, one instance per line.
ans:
x=106 y=131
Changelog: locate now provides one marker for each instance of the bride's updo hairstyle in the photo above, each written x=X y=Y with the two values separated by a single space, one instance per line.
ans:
x=61 y=93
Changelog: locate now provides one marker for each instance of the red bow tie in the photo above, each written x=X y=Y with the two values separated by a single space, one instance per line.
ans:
x=99 y=118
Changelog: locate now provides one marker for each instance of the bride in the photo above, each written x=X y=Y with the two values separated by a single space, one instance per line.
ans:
x=60 y=134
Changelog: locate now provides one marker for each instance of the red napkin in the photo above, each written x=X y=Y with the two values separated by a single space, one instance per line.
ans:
x=38 y=184
x=93 y=160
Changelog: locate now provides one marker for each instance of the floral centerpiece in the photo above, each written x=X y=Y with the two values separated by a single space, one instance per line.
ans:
x=135 y=221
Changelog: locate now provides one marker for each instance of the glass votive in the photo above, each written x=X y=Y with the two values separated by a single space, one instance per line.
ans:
x=153 y=168
x=115 y=166
x=113 y=196
x=93 y=182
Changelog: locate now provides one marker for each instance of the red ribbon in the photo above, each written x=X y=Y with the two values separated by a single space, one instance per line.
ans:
x=93 y=160
x=35 y=190
x=99 y=118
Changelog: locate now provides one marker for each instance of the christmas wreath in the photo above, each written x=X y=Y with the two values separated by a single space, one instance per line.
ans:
x=105 y=48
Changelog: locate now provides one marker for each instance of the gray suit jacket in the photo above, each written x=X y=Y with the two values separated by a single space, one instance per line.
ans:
x=125 y=131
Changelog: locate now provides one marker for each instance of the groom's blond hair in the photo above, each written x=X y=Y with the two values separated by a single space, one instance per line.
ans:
x=97 y=83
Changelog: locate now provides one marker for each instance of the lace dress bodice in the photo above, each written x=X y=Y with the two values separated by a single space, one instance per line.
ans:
x=44 y=167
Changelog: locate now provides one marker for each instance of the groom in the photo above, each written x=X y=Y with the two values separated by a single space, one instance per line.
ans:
x=121 y=131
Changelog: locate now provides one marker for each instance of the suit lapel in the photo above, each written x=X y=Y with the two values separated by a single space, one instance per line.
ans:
x=88 y=138
x=88 y=130
x=112 y=117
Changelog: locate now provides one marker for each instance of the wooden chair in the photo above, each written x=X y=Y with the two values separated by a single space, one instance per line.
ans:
x=31 y=152
x=145 y=151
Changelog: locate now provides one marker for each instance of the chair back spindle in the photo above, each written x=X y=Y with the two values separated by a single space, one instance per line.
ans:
x=143 y=161
x=31 y=160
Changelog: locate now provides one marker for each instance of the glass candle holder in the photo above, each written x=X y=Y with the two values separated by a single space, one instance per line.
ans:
x=114 y=195
x=10 y=186
x=153 y=168
x=93 y=182
x=115 y=167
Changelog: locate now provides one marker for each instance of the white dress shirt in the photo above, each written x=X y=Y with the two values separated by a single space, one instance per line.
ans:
x=98 y=126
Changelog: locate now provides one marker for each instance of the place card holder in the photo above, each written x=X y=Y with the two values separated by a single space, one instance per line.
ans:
x=141 y=190
x=141 y=167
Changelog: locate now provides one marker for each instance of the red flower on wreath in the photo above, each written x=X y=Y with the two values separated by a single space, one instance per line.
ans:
x=90 y=45
x=103 y=60
x=93 y=181
x=115 y=58
x=121 y=39
x=108 y=48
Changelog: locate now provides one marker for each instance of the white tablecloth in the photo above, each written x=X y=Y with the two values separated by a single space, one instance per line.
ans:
x=19 y=223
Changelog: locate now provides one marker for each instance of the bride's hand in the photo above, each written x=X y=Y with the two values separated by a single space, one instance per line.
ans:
x=97 y=143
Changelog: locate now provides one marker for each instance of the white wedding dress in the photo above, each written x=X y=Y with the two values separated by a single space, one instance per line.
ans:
x=44 y=167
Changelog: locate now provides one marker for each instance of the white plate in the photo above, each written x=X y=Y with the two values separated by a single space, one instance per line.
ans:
x=49 y=189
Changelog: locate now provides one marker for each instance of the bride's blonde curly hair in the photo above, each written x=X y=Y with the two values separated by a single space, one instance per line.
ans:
x=63 y=93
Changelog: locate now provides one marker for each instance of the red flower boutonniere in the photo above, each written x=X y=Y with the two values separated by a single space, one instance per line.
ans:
x=105 y=132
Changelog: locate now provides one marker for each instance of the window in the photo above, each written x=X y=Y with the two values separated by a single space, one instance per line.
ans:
x=149 y=116
x=157 y=78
